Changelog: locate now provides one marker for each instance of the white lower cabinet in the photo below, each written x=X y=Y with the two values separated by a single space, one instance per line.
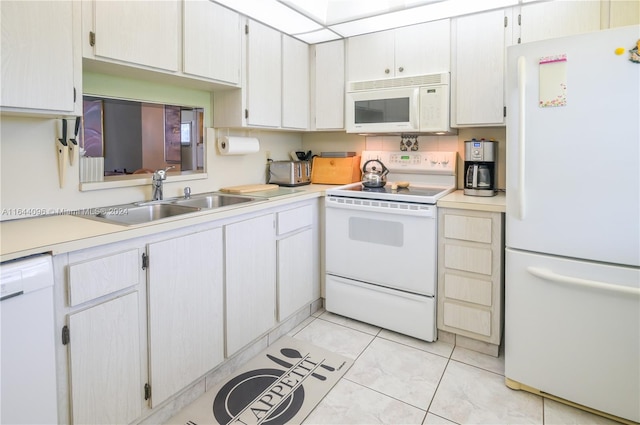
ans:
x=185 y=310
x=104 y=333
x=470 y=274
x=295 y=263
x=105 y=362
x=250 y=258
x=146 y=318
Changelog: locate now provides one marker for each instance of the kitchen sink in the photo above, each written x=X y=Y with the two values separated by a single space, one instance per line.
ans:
x=145 y=212
x=138 y=214
x=213 y=201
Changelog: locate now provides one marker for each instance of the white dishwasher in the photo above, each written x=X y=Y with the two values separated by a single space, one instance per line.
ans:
x=28 y=362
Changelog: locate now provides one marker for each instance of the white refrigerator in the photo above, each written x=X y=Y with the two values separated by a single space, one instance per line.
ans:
x=572 y=262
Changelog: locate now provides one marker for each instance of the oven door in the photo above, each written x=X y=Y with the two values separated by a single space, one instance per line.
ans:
x=391 y=244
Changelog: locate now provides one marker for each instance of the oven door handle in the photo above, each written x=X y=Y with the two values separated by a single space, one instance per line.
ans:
x=381 y=207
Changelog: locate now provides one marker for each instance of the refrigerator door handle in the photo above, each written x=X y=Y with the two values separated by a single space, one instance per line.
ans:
x=558 y=278
x=522 y=77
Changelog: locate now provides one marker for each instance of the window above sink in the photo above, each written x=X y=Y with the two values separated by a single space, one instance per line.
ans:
x=132 y=128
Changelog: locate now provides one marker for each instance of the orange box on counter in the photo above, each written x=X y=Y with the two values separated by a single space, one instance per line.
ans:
x=336 y=170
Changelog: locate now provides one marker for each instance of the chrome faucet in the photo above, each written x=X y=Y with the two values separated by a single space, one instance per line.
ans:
x=158 y=177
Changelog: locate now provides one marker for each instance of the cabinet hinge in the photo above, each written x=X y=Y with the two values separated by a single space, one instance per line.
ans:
x=504 y=111
x=246 y=113
x=246 y=29
x=147 y=391
x=145 y=261
x=92 y=38
x=65 y=335
x=506 y=21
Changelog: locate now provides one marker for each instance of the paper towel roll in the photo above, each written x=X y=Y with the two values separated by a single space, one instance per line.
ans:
x=234 y=145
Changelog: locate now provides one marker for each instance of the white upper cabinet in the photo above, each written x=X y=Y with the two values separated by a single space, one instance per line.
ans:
x=295 y=83
x=211 y=45
x=328 y=86
x=412 y=50
x=371 y=56
x=542 y=21
x=275 y=84
x=478 y=68
x=41 y=67
x=623 y=13
x=423 y=49
x=264 y=79
x=140 y=32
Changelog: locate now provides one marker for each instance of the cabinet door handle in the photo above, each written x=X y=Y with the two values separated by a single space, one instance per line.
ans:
x=400 y=69
x=570 y=280
x=386 y=71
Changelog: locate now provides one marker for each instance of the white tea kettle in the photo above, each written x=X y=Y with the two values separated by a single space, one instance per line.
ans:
x=374 y=174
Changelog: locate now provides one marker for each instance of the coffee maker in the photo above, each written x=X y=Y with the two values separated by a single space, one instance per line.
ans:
x=480 y=167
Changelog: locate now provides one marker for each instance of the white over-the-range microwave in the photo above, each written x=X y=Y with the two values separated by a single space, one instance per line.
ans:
x=418 y=104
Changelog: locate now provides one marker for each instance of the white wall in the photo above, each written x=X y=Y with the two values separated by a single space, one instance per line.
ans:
x=29 y=169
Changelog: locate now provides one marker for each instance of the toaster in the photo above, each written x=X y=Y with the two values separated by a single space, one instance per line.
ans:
x=290 y=173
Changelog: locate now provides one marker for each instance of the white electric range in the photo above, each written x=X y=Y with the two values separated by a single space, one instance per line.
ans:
x=381 y=243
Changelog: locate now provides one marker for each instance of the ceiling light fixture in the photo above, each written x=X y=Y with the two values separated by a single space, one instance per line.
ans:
x=316 y=21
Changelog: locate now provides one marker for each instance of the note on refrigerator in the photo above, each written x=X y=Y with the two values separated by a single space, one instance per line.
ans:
x=553 y=81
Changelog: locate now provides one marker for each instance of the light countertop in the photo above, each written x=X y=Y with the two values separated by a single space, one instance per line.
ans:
x=65 y=233
x=459 y=200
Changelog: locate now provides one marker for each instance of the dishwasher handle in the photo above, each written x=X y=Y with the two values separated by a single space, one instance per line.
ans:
x=11 y=295
x=26 y=275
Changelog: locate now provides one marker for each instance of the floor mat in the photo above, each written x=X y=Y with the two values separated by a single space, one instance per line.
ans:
x=281 y=385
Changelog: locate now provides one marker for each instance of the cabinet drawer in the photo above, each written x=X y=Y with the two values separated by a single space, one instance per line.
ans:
x=470 y=259
x=95 y=278
x=467 y=318
x=294 y=219
x=476 y=229
x=467 y=289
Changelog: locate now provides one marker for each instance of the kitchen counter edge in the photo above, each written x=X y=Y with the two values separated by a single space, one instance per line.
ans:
x=59 y=234
x=461 y=201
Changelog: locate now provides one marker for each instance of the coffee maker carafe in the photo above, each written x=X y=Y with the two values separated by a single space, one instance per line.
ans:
x=480 y=167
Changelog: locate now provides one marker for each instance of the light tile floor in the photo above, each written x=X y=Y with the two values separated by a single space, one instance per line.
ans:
x=396 y=379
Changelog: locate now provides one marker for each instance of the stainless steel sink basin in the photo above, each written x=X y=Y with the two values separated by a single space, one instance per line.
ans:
x=213 y=201
x=138 y=214
x=145 y=212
